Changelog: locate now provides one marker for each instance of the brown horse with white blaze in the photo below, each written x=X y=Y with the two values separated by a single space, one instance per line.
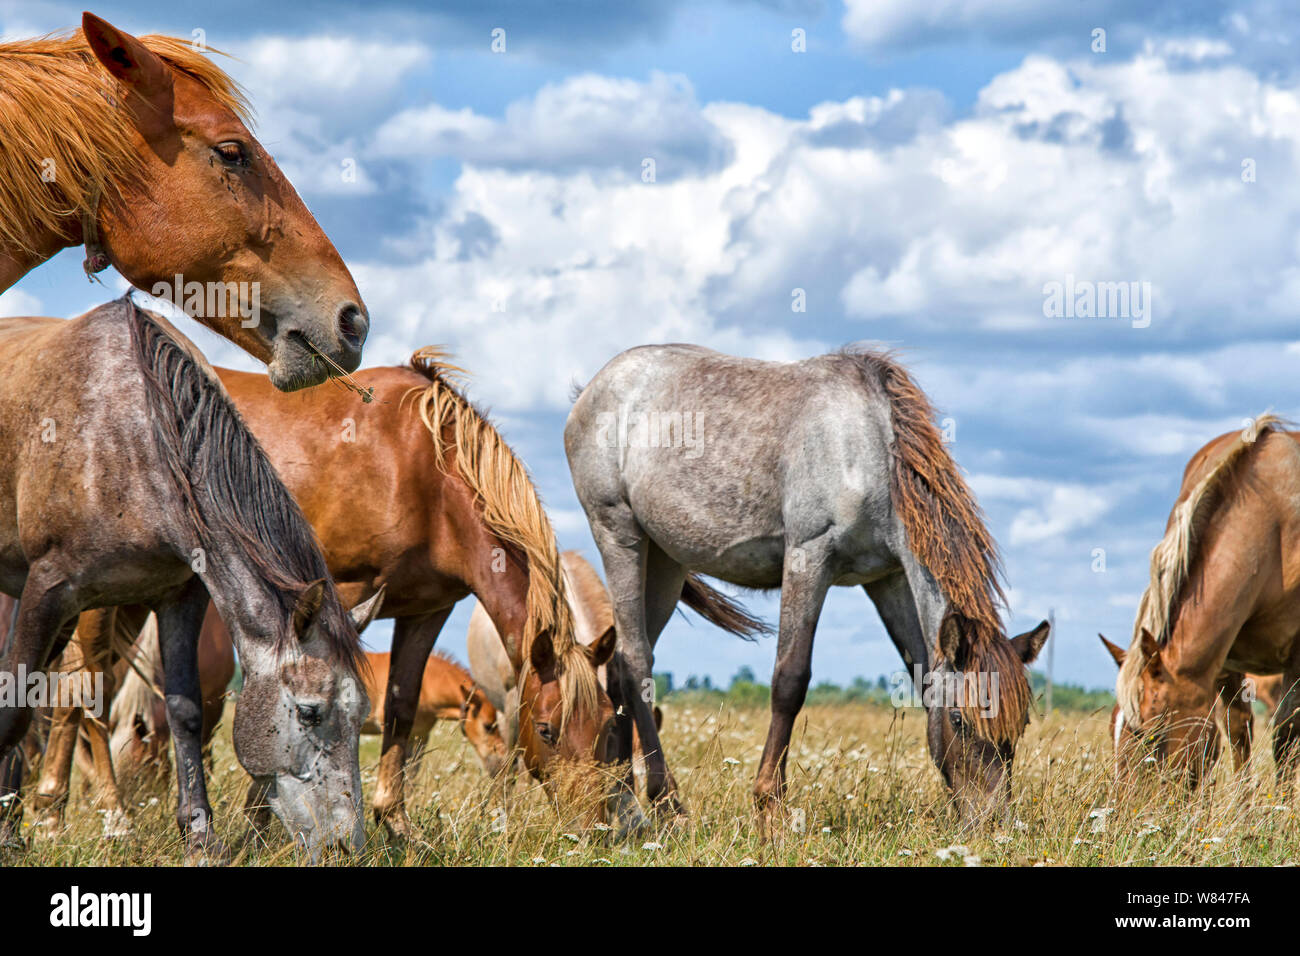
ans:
x=1223 y=599
x=139 y=149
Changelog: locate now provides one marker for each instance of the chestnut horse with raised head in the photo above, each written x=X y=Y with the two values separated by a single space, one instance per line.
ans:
x=800 y=476
x=437 y=508
x=1223 y=601
x=140 y=149
x=127 y=478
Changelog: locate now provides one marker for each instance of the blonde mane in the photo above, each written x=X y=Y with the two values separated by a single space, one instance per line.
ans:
x=512 y=511
x=67 y=133
x=1171 y=564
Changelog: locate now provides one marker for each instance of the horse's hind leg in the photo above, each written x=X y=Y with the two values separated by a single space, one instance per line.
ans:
x=179 y=623
x=1286 y=731
x=89 y=657
x=645 y=586
x=805 y=580
x=413 y=639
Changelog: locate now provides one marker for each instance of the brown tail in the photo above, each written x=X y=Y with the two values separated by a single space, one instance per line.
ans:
x=716 y=608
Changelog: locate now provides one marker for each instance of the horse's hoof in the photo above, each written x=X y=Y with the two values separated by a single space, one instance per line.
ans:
x=206 y=851
x=397 y=825
x=668 y=809
x=117 y=825
x=10 y=839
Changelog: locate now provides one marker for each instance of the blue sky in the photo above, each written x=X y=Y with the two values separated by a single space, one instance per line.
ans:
x=921 y=171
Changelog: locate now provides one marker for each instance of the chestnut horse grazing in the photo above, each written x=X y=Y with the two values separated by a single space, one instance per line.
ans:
x=593 y=615
x=801 y=475
x=447 y=692
x=418 y=494
x=1223 y=601
x=127 y=478
x=1233 y=713
x=139 y=149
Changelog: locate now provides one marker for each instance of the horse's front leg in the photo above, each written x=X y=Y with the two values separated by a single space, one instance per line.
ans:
x=1239 y=718
x=804 y=582
x=413 y=639
x=179 y=623
x=44 y=621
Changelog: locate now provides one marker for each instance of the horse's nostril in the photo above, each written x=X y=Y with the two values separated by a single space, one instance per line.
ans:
x=353 y=326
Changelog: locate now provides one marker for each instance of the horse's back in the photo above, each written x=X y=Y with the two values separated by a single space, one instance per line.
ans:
x=723 y=460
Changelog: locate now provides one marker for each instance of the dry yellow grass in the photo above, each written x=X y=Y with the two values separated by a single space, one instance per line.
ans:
x=863 y=791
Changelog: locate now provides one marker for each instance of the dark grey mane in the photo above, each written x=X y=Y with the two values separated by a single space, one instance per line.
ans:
x=228 y=484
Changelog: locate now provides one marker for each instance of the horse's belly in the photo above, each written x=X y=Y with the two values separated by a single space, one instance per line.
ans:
x=750 y=564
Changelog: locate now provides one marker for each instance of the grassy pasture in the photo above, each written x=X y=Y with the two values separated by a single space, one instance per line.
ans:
x=863 y=791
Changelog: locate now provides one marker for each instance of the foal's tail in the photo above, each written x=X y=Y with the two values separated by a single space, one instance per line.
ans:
x=134 y=701
x=716 y=608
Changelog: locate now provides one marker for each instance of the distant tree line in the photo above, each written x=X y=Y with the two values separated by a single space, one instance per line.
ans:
x=745 y=690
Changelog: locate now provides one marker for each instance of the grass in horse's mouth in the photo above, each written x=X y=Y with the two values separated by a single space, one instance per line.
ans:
x=336 y=372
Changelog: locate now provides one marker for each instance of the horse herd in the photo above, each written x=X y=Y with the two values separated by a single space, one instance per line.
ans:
x=158 y=515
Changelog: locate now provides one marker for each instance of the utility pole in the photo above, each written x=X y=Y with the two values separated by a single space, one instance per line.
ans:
x=1051 y=653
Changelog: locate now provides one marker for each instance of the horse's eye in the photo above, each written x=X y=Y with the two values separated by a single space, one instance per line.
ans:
x=491 y=728
x=546 y=733
x=232 y=153
x=954 y=717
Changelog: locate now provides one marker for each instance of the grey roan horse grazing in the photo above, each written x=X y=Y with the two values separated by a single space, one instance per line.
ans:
x=804 y=475
x=127 y=478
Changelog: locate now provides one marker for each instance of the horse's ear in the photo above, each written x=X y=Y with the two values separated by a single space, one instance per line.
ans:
x=1028 y=644
x=1115 y=650
x=542 y=653
x=124 y=56
x=367 y=611
x=950 y=639
x=308 y=606
x=601 y=649
x=469 y=705
x=1151 y=652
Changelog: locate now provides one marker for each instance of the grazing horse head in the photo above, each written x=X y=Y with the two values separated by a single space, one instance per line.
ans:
x=1173 y=717
x=157 y=173
x=566 y=725
x=1129 y=755
x=479 y=721
x=298 y=719
x=565 y=716
x=296 y=728
x=974 y=728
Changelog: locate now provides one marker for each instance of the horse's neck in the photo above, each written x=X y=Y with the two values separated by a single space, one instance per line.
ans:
x=242 y=598
x=504 y=596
